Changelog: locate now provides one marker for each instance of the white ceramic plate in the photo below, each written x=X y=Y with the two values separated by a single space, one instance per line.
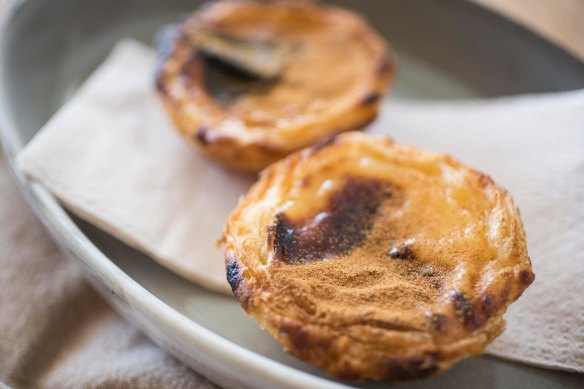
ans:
x=47 y=48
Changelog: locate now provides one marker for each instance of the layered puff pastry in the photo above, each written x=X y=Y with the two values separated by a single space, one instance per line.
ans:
x=376 y=260
x=249 y=82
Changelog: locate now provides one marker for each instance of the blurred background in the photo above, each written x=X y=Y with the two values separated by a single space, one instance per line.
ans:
x=561 y=21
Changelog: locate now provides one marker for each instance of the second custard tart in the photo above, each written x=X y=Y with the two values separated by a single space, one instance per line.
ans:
x=377 y=260
x=249 y=82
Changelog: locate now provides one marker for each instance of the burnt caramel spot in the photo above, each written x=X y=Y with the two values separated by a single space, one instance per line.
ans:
x=485 y=180
x=233 y=276
x=466 y=311
x=411 y=368
x=159 y=83
x=527 y=277
x=489 y=304
x=347 y=372
x=224 y=82
x=201 y=135
x=336 y=230
x=303 y=341
x=296 y=333
x=221 y=81
x=371 y=98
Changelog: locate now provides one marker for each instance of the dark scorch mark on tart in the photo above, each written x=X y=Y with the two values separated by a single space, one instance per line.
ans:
x=340 y=227
x=223 y=82
x=371 y=98
x=232 y=273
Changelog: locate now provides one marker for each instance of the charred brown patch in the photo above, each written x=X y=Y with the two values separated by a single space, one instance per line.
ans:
x=371 y=98
x=233 y=274
x=347 y=372
x=226 y=68
x=410 y=368
x=485 y=180
x=303 y=342
x=235 y=278
x=299 y=336
x=222 y=81
x=465 y=309
x=201 y=135
x=490 y=305
x=526 y=277
x=159 y=83
x=334 y=231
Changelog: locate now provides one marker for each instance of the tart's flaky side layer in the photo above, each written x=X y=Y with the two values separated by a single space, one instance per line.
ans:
x=338 y=69
x=437 y=255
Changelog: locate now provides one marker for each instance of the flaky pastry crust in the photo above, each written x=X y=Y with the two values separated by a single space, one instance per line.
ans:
x=376 y=260
x=336 y=71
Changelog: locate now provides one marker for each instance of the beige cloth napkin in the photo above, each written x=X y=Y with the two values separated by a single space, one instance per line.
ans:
x=113 y=158
x=55 y=331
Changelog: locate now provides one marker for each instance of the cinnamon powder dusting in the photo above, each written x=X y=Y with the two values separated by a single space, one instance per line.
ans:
x=354 y=264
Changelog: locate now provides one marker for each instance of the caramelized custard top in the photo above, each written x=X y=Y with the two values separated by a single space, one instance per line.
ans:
x=359 y=231
x=321 y=48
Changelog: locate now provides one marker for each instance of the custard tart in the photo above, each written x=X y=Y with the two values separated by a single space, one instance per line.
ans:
x=249 y=82
x=372 y=259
